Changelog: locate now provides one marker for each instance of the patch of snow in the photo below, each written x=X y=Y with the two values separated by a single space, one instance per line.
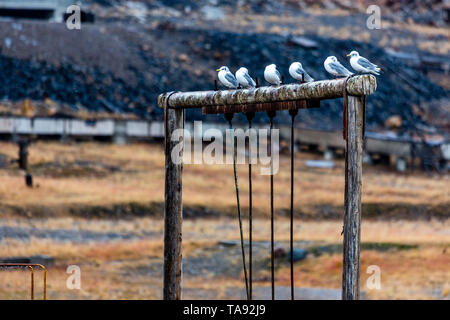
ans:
x=212 y=13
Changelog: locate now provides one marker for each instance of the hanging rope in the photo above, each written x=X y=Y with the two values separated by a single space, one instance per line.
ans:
x=250 y=116
x=229 y=117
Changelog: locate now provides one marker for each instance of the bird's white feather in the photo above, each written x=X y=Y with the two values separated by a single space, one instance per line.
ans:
x=244 y=78
x=271 y=75
x=223 y=79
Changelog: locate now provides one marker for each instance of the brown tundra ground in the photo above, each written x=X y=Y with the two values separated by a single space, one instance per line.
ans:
x=99 y=206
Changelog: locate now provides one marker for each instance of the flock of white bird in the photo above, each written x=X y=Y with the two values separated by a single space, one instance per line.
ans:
x=273 y=76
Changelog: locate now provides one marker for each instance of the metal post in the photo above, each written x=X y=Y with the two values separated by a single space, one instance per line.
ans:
x=352 y=213
x=173 y=210
x=32 y=282
x=23 y=154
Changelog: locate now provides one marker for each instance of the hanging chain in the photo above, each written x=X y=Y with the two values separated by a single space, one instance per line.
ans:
x=293 y=114
x=229 y=117
x=250 y=116
x=271 y=115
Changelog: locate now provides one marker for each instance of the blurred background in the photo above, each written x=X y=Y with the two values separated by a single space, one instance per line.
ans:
x=82 y=163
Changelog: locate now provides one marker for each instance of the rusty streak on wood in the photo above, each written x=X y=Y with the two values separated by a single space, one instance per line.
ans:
x=318 y=90
x=173 y=209
x=352 y=211
x=288 y=105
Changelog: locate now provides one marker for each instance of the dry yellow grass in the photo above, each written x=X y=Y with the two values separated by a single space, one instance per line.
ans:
x=142 y=181
x=120 y=269
x=427 y=270
x=111 y=270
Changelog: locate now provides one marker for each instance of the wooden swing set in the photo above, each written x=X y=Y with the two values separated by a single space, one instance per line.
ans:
x=292 y=97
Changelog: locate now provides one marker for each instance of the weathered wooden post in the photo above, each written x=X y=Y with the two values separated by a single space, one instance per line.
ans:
x=23 y=154
x=173 y=208
x=23 y=161
x=352 y=210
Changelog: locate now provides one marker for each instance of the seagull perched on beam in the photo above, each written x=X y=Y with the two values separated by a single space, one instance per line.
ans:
x=244 y=78
x=272 y=75
x=333 y=66
x=227 y=78
x=298 y=73
x=361 y=64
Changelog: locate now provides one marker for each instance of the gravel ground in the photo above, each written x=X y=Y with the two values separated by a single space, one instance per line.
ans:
x=76 y=235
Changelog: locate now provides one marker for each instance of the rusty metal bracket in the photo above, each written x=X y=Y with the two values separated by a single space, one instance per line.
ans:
x=262 y=107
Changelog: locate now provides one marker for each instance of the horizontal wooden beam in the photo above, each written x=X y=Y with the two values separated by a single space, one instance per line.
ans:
x=318 y=90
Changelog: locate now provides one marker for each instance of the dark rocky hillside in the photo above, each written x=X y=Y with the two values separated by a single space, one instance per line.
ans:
x=121 y=65
x=428 y=12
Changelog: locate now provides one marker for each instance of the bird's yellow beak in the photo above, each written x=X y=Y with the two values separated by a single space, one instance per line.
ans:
x=349 y=55
x=217 y=69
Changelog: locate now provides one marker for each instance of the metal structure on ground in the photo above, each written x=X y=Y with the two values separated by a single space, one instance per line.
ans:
x=30 y=266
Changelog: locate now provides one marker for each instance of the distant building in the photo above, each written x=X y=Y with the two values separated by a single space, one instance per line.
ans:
x=50 y=10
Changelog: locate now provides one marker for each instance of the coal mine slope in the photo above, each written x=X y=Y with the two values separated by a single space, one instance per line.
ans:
x=124 y=67
x=427 y=12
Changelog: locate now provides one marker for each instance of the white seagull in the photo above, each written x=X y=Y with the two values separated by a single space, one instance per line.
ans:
x=361 y=64
x=227 y=78
x=272 y=75
x=333 y=66
x=244 y=79
x=298 y=73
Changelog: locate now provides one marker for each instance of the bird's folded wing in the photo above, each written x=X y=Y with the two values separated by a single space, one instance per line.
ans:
x=231 y=79
x=278 y=74
x=363 y=62
x=299 y=71
x=249 y=79
x=339 y=68
x=308 y=77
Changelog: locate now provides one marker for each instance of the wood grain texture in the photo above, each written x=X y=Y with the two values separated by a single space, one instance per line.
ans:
x=319 y=90
x=173 y=209
x=352 y=213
